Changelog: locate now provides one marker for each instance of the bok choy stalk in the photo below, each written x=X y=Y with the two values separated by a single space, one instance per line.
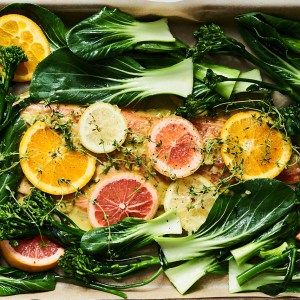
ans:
x=66 y=78
x=238 y=215
x=184 y=275
x=271 y=276
x=110 y=32
x=129 y=234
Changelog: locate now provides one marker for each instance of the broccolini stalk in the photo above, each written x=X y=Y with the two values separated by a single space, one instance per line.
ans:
x=77 y=264
x=211 y=39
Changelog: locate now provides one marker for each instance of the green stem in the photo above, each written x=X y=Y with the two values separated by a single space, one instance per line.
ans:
x=93 y=285
x=257 y=269
x=154 y=261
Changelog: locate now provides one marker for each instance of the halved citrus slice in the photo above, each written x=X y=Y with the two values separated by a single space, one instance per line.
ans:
x=49 y=165
x=175 y=147
x=122 y=195
x=34 y=255
x=252 y=148
x=102 y=128
x=21 y=31
x=193 y=198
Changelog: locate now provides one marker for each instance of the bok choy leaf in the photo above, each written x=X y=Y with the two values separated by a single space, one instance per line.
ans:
x=111 y=32
x=129 y=234
x=13 y=282
x=286 y=227
x=10 y=168
x=66 y=78
x=238 y=215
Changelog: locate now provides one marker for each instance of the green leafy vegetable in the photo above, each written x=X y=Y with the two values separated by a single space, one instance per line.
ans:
x=223 y=88
x=203 y=98
x=10 y=169
x=238 y=215
x=211 y=39
x=129 y=234
x=52 y=25
x=37 y=214
x=77 y=264
x=264 y=278
x=10 y=58
x=110 y=32
x=13 y=282
x=66 y=78
x=283 y=229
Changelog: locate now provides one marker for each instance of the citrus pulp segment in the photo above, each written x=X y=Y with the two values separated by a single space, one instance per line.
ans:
x=49 y=165
x=33 y=255
x=252 y=148
x=192 y=197
x=102 y=128
x=21 y=31
x=174 y=147
x=122 y=195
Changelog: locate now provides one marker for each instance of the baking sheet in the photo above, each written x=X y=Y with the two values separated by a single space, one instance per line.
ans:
x=184 y=17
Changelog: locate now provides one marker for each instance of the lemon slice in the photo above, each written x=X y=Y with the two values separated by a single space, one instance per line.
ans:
x=102 y=128
x=193 y=198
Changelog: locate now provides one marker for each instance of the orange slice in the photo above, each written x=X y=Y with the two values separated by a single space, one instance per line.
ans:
x=49 y=165
x=35 y=255
x=20 y=31
x=174 y=147
x=252 y=148
x=119 y=196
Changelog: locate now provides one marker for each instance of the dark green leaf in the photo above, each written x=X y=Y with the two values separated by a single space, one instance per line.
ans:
x=11 y=172
x=110 y=32
x=66 y=78
x=12 y=284
x=115 y=237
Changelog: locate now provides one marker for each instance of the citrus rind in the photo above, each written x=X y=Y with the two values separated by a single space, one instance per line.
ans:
x=29 y=264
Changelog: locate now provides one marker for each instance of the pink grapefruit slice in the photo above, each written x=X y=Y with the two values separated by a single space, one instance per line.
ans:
x=174 y=147
x=33 y=255
x=122 y=195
